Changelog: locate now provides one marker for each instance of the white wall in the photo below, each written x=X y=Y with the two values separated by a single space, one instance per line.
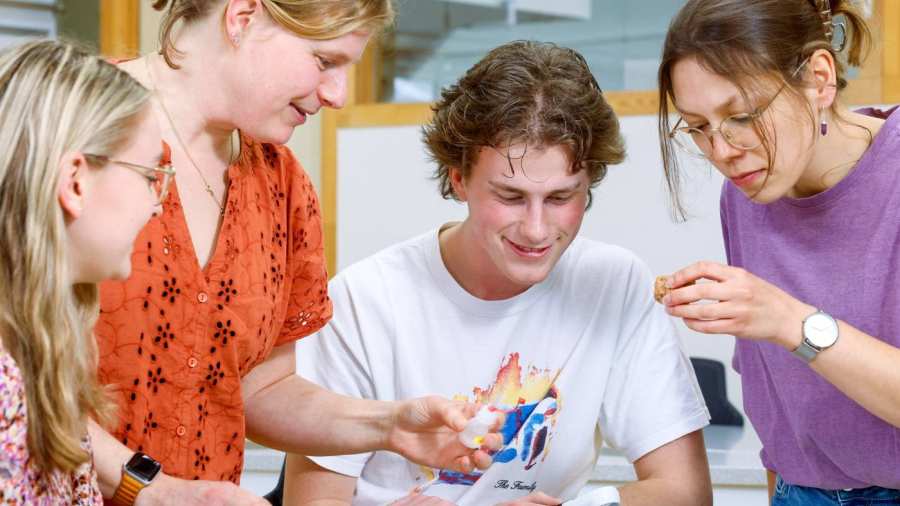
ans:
x=385 y=196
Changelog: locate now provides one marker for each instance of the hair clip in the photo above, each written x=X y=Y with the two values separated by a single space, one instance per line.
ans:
x=824 y=8
x=842 y=42
x=829 y=26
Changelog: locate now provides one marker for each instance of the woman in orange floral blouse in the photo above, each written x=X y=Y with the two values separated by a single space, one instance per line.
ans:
x=199 y=342
x=79 y=177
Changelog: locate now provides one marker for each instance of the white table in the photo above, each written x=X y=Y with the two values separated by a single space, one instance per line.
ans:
x=737 y=475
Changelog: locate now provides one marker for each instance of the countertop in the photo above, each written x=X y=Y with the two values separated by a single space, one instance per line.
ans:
x=733 y=454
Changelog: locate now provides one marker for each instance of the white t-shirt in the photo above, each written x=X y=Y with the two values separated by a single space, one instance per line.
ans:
x=582 y=357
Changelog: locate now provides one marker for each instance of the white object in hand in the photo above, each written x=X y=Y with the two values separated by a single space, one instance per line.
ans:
x=603 y=496
x=473 y=435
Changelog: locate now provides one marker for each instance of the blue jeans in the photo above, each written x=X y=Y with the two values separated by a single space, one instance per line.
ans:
x=796 y=495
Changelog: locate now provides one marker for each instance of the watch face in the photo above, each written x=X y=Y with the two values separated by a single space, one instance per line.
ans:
x=143 y=467
x=820 y=330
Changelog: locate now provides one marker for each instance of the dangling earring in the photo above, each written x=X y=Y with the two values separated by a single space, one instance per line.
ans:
x=823 y=125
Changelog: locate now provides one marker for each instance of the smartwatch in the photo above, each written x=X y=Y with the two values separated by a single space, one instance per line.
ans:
x=820 y=332
x=137 y=473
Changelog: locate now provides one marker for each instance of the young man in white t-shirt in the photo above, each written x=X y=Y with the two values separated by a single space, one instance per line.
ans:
x=508 y=308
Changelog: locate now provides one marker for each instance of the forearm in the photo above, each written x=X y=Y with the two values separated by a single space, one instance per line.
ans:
x=656 y=491
x=295 y=415
x=308 y=484
x=109 y=457
x=862 y=367
x=676 y=474
x=866 y=370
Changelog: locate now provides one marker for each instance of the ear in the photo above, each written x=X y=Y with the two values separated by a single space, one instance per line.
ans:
x=239 y=16
x=458 y=183
x=823 y=74
x=73 y=170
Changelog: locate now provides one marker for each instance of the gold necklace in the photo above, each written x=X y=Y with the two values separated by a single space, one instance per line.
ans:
x=181 y=143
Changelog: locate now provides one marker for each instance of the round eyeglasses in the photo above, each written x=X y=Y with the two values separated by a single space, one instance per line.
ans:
x=158 y=178
x=740 y=130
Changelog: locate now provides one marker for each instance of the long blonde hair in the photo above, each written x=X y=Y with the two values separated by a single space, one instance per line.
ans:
x=310 y=19
x=54 y=98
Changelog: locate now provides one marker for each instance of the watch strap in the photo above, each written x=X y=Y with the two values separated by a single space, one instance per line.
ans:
x=806 y=351
x=128 y=490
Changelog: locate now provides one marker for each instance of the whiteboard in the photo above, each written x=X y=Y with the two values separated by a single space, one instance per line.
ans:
x=385 y=195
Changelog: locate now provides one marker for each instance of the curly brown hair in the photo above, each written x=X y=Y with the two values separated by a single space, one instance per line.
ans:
x=536 y=93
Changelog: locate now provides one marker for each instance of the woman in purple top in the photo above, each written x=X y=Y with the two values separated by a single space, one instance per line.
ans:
x=811 y=219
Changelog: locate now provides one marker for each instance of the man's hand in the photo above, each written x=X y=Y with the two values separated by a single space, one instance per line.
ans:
x=426 y=431
x=166 y=490
x=534 y=499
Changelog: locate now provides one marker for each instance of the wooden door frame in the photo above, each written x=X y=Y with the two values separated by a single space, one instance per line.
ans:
x=120 y=28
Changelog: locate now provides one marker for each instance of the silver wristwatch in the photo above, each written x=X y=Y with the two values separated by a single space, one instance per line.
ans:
x=820 y=332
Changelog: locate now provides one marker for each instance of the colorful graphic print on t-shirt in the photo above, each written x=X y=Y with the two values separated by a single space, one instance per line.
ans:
x=531 y=403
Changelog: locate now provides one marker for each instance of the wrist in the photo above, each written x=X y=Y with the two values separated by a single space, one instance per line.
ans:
x=138 y=473
x=791 y=334
x=156 y=492
x=387 y=425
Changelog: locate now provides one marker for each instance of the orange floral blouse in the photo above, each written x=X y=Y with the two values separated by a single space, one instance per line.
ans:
x=175 y=340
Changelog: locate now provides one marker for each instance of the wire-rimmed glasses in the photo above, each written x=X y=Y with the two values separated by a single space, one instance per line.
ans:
x=158 y=178
x=740 y=130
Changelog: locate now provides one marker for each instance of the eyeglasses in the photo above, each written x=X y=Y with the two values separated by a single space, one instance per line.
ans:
x=158 y=178
x=740 y=130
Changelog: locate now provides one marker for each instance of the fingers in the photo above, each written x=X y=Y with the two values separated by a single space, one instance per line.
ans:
x=482 y=459
x=717 y=291
x=499 y=422
x=463 y=464
x=453 y=414
x=700 y=270
x=544 y=499
x=534 y=499
x=727 y=326
x=707 y=311
x=492 y=441
x=416 y=499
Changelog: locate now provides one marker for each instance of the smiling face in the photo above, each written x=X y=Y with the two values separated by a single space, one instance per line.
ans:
x=704 y=99
x=282 y=78
x=521 y=221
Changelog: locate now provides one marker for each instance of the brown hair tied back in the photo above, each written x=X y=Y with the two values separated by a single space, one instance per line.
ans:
x=754 y=44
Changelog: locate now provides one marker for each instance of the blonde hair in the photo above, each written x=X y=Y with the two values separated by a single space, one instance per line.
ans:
x=311 y=19
x=54 y=98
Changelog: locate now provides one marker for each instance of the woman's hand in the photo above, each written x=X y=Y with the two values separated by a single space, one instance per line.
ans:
x=534 y=499
x=417 y=499
x=166 y=489
x=426 y=431
x=740 y=304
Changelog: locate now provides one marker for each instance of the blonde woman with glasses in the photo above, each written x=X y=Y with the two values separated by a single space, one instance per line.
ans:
x=199 y=340
x=810 y=211
x=80 y=175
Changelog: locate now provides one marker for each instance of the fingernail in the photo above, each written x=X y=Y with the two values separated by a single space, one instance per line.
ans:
x=666 y=299
x=670 y=282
